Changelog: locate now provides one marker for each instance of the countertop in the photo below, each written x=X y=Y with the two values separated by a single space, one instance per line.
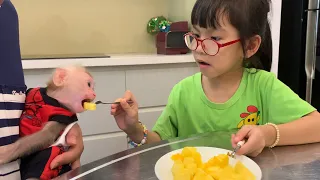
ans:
x=113 y=60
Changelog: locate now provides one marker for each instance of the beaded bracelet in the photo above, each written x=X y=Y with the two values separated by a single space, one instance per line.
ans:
x=143 y=141
x=277 y=136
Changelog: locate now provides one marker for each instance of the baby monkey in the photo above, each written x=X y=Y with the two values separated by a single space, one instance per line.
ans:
x=49 y=114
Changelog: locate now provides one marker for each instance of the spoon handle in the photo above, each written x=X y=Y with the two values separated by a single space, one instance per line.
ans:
x=100 y=102
x=239 y=145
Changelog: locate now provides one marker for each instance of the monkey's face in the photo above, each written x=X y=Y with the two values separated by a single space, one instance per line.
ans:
x=80 y=88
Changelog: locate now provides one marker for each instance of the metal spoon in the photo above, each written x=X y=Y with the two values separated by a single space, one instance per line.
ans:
x=100 y=102
x=239 y=144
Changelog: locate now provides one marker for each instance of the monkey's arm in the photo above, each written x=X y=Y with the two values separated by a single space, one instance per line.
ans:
x=34 y=142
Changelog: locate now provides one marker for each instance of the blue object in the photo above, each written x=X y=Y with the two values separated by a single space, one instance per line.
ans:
x=165 y=28
x=11 y=72
x=12 y=84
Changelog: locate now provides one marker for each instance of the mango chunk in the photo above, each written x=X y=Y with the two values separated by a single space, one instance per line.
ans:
x=243 y=171
x=89 y=106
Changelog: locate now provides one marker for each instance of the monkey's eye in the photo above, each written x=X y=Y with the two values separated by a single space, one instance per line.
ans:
x=89 y=84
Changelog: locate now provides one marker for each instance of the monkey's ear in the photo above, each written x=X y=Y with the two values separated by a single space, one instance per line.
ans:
x=59 y=77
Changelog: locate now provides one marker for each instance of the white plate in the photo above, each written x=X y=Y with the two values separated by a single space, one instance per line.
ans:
x=164 y=164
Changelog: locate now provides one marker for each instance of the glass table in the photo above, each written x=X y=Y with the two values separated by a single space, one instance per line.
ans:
x=285 y=163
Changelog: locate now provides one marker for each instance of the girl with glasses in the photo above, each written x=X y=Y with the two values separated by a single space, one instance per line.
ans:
x=231 y=43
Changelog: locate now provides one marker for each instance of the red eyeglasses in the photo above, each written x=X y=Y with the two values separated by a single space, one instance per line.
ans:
x=209 y=46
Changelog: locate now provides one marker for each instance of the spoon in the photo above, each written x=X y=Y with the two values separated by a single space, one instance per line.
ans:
x=239 y=144
x=100 y=102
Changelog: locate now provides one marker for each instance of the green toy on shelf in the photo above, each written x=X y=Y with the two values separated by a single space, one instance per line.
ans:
x=158 y=24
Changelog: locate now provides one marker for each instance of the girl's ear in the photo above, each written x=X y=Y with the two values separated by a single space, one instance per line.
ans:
x=253 y=45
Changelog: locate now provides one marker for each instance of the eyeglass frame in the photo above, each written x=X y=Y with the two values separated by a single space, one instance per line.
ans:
x=201 y=43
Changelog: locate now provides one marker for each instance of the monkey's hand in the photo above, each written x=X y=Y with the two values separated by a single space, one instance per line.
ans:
x=6 y=153
x=32 y=143
x=75 y=141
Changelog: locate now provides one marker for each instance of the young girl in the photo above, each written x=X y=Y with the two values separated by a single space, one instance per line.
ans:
x=231 y=42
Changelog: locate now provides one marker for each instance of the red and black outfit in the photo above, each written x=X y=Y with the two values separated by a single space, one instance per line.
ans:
x=39 y=109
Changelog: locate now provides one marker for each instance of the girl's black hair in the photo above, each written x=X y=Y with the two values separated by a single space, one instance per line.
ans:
x=249 y=17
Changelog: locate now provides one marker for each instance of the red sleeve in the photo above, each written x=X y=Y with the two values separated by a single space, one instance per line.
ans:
x=28 y=90
x=64 y=119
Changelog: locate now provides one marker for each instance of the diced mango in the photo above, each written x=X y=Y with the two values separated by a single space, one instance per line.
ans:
x=192 y=168
x=227 y=171
x=188 y=165
x=188 y=160
x=188 y=151
x=89 y=106
x=197 y=158
x=177 y=168
x=176 y=157
x=200 y=174
x=208 y=177
x=213 y=169
x=221 y=160
x=243 y=171
x=183 y=174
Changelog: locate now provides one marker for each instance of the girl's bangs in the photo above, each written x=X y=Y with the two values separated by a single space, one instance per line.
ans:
x=209 y=13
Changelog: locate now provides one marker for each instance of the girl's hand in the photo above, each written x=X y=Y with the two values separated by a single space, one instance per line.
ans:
x=126 y=115
x=256 y=141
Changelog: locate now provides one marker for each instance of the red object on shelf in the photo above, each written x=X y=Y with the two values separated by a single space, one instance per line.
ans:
x=172 y=42
x=179 y=26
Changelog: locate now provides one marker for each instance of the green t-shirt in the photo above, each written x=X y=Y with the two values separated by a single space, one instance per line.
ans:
x=260 y=98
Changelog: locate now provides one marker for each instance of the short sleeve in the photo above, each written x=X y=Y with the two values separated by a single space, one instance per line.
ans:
x=64 y=119
x=282 y=104
x=166 y=125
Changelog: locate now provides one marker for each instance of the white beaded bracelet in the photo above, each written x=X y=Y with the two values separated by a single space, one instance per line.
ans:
x=277 y=136
x=143 y=141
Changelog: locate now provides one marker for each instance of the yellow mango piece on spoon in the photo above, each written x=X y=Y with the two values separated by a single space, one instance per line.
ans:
x=89 y=106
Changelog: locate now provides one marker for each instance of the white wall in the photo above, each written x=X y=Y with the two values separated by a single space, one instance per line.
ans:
x=180 y=10
x=275 y=20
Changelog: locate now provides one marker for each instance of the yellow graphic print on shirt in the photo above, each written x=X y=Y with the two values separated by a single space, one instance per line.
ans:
x=250 y=118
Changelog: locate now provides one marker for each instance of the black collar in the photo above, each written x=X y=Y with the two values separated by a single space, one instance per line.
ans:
x=49 y=100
